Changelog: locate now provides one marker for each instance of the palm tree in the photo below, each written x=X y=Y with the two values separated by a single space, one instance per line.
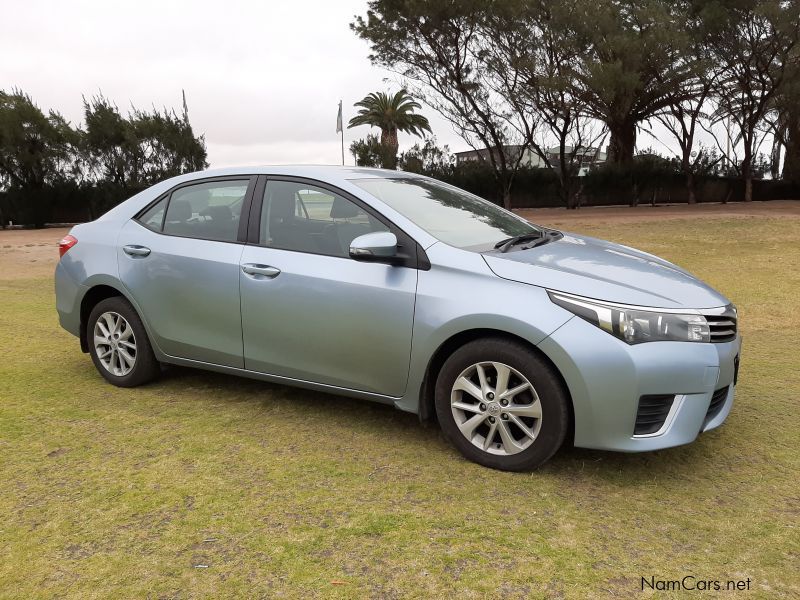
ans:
x=390 y=113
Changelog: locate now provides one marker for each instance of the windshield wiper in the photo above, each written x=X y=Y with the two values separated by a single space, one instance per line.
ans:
x=504 y=245
x=537 y=239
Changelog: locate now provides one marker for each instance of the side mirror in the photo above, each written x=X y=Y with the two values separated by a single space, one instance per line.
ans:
x=379 y=246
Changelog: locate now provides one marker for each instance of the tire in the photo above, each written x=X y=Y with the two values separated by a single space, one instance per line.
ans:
x=112 y=348
x=510 y=436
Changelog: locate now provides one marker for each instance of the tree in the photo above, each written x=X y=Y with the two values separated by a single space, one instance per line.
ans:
x=787 y=120
x=686 y=112
x=428 y=159
x=755 y=48
x=368 y=152
x=791 y=163
x=526 y=43
x=439 y=49
x=36 y=150
x=166 y=144
x=633 y=58
x=108 y=142
x=688 y=103
x=141 y=149
x=391 y=114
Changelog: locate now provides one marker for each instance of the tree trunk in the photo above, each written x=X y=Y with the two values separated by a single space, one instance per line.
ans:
x=775 y=156
x=747 y=176
x=390 y=145
x=791 y=163
x=563 y=186
x=506 y=198
x=572 y=201
x=690 y=188
x=623 y=141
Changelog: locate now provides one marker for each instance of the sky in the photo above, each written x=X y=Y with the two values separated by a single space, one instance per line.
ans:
x=263 y=80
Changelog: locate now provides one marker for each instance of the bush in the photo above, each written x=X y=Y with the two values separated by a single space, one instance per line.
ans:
x=650 y=179
x=63 y=202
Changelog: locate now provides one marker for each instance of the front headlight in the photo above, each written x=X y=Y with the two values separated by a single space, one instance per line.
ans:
x=636 y=325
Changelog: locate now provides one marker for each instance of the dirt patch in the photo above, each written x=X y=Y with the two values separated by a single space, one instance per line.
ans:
x=646 y=212
x=29 y=253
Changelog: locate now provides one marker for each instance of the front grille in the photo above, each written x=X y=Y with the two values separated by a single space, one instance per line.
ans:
x=652 y=413
x=717 y=402
x=722 y=326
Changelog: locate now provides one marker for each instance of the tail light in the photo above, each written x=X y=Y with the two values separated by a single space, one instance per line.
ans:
x=67 y=242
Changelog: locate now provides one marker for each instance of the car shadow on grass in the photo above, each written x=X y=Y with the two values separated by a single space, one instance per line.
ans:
x=574 y=463
x=274 y=395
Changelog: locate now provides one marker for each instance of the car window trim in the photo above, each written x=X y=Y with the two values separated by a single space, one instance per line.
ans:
x=149 y=207
x=419 y=260
x=244 y=216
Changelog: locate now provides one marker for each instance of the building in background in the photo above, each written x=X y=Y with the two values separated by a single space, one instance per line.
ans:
x=587 y=158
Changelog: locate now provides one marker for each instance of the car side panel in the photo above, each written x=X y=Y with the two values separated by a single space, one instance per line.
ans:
x=188 y=292
x=329 y=320
x=467 y=295
x=92 y=261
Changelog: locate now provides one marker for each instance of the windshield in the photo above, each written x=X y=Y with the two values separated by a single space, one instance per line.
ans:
x=449 y=214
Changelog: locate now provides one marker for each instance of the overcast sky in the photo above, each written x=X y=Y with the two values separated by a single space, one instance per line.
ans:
x=263 y=79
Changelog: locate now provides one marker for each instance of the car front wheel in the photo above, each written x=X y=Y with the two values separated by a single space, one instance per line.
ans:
x=119 y=345
x=502 y=405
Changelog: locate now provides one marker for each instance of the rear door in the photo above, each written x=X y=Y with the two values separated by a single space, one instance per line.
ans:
x=180 y=261
x=309 y=311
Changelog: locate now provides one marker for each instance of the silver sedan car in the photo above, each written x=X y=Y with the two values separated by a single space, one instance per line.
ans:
x=398 y=288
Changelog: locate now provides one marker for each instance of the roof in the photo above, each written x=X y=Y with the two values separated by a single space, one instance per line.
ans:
x=331 y=173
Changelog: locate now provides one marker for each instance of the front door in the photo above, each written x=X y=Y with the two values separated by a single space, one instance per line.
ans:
x=309 y=311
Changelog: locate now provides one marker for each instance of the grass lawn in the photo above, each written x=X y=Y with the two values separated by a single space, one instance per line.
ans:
x=204 y=485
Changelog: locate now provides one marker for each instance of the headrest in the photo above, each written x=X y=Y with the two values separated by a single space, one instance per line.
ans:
x=282 y=203
x=343 y=209
x=219 y=213
x=179 y=210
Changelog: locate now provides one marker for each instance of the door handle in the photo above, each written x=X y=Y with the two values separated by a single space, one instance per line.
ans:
x=134 y=250
x=263 y=270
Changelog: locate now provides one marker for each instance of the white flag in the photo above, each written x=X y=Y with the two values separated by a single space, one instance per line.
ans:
x=339 y=118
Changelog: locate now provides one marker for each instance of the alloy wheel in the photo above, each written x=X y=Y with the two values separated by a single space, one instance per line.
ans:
x=496 y=408
x=115 y=343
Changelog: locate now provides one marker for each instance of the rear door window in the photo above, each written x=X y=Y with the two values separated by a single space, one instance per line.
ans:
x=209 y=211
x=153 y=217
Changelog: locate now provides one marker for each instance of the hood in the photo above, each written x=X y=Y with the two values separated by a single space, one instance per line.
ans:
x=603 y=270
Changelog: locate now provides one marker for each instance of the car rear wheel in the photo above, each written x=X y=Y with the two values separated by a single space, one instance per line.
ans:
x=502 y=405
x=119 y=345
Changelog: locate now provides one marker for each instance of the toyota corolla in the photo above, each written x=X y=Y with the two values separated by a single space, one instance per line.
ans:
x=397 y=288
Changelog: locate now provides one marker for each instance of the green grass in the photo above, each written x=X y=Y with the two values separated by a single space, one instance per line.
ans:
x=107 y=492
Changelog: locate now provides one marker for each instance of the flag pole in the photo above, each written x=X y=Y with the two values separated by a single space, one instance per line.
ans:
x=340 y=128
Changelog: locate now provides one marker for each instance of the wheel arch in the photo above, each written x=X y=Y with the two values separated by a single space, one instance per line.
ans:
x=91 y=298
x=427 y=411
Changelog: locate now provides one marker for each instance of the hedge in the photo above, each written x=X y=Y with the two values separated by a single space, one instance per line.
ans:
x=71 y=202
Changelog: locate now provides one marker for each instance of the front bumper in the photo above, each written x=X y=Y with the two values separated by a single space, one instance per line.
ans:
x=606 y=378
